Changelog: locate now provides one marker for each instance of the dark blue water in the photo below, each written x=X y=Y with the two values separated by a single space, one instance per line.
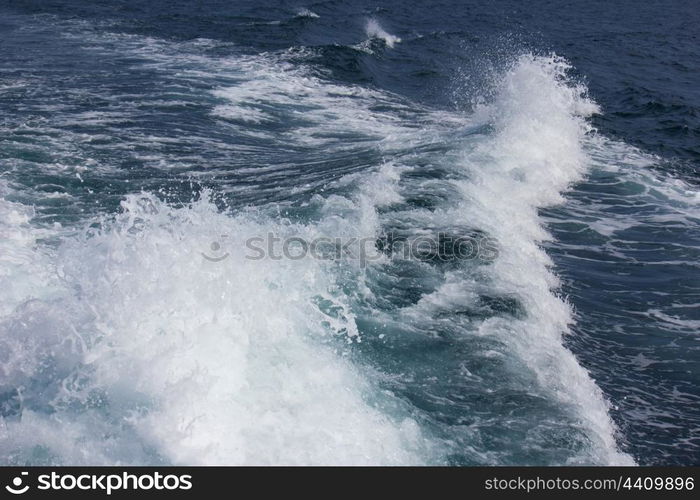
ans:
x=136 y=137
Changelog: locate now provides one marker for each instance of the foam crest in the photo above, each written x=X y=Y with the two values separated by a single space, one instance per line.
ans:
x=535 y=153
x=306 y=13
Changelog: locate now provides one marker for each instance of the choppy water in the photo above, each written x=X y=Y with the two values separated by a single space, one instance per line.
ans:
x=144 y=146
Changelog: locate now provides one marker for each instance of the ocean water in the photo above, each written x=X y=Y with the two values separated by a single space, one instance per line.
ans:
x=157 y=160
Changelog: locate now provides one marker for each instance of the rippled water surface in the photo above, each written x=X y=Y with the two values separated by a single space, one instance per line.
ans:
x=148 y=149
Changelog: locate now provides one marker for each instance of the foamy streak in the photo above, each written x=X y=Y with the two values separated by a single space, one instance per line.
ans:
x=318 y=106
x=676 y=197
x=534 y=155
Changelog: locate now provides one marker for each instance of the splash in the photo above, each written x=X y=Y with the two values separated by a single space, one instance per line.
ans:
x=304 y=12
x=182 y=360
x=374 y=30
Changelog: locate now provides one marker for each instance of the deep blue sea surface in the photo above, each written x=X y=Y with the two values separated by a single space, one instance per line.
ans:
x=157 y=160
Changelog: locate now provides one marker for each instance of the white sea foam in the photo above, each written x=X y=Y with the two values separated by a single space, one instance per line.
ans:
x=199 y=362
x=534 y=155
x=23 y=274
